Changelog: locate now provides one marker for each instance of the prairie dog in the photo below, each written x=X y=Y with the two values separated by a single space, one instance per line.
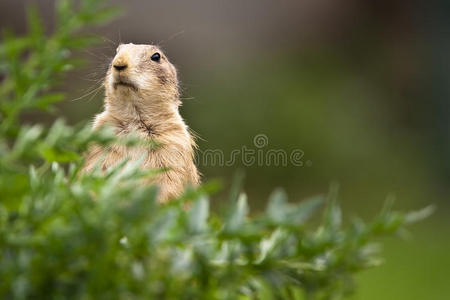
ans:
x=142 y=98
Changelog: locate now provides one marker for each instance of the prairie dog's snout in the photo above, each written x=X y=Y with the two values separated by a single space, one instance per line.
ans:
x=120 y=64
x=121 y=61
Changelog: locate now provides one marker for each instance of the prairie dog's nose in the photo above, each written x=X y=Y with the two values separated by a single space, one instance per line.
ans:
x=120 y=67
x=120 y=63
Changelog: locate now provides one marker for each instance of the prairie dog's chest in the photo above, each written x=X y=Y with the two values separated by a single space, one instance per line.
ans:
x=135 y=129
x=146 y=145
x=154 y=141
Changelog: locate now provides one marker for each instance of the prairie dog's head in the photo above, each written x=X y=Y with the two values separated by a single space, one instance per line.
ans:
x=141 y=72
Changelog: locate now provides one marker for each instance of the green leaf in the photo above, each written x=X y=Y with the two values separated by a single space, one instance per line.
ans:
x=106 y=15
x=45 y=101
x=82 y=42
x=34 y=178
x=306 y=209
x=236 y=185
x=162 y=227
x=419 y=215
x=267 y=246
x=333 y=215
x=237 y=216
x=56 y=155
x=198 y=215
x=276 y=209
x=27 y=137
x=280 y=212
x=64 y=9
x=35 y=23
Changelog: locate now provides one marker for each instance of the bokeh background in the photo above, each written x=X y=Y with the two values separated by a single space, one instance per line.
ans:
x=361 y=87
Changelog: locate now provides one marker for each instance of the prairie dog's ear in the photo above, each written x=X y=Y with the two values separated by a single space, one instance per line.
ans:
x=118 y=48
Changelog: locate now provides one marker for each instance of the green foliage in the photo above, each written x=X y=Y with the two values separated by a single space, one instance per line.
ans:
x=102 y=236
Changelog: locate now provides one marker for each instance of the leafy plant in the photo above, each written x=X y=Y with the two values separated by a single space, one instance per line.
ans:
x=102 y=236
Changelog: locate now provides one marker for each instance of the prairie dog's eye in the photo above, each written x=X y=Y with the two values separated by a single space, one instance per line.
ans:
x=156 y=57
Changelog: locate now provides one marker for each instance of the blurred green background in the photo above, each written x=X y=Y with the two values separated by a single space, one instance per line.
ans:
x=361 y=87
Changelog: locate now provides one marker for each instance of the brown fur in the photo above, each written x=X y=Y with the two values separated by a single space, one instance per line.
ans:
x=146 y=104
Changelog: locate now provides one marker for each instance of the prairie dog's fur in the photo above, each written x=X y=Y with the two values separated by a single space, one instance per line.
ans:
x=142 y=97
